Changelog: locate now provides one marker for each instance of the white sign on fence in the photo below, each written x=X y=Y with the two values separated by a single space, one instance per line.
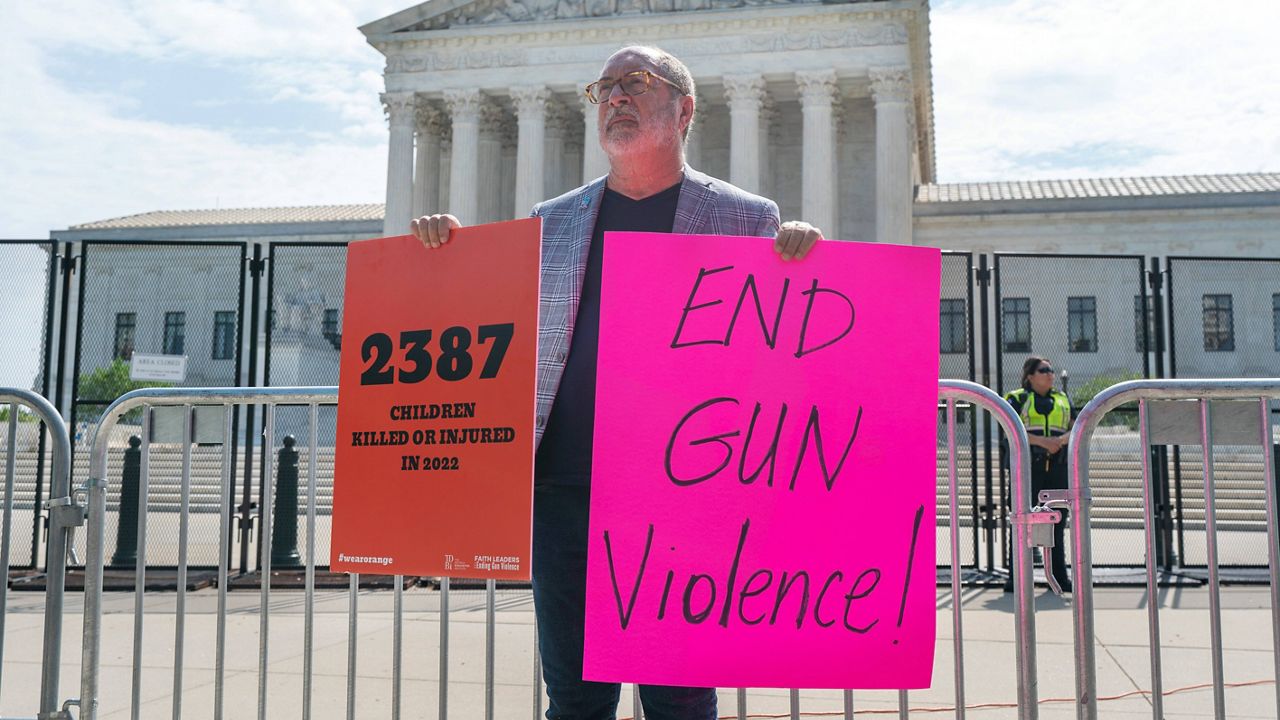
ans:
x=170 y=368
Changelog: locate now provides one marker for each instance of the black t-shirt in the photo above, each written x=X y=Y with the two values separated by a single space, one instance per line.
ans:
x=564 y=456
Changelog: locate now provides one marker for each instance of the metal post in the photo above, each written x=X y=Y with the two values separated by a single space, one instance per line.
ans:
x=957 y=628
x=353 y=600
x=537 y=675
x=309 y=602
x=284 y=523
x=491 y=631
x=46 y=373
x=1211 y=541
x=184 y=523
x=990 y=504
x=1150 y=526
x=224 y=556
x=140 y=567
x=1270 y=459
x=250 y=442
x=397 y=641
x=444 y=648
x=126 y=553
x=264 y=566
x=6 y=525
x=1154 y=344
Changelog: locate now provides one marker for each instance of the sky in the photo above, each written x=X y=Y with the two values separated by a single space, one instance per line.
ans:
x=115 y=107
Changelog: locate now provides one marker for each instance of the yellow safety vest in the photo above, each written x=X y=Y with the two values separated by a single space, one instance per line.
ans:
x=1057 y=422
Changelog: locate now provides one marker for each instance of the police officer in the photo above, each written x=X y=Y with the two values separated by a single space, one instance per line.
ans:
x=1046 y=413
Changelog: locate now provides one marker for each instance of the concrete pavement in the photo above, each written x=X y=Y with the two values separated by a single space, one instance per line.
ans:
x=1121 y=626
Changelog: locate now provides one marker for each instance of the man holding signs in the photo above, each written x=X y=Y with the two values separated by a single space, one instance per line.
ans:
x=646 y=99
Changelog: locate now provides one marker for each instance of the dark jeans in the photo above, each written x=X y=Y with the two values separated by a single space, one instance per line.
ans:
x=559 y=601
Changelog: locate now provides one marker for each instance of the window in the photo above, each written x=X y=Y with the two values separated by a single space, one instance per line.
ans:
x=1275 y=319
x=1015 y=324
x=1082 y=324
x=125 y=325
x=1138 y=344
x=1219 y=325
x=224 y=335
x=175 y=332
x=330 y=330
x=954 y=327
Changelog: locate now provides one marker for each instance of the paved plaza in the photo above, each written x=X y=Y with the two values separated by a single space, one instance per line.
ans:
x=1121 y=623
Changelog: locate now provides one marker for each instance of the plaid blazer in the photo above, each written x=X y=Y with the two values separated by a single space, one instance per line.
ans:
x=707 y=206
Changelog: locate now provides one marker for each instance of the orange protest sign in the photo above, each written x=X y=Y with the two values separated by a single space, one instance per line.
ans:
x=433 y=467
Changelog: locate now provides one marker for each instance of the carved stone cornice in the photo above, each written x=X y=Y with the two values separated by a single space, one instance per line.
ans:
x=817 y=88
x=499 y=12
x=464 y=104
x=727 y=36
x=744 y=93
x=891 y=84
x=531 y=99
x=399 y=108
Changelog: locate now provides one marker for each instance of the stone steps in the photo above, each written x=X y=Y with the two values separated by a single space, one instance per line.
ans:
x=1115 y=478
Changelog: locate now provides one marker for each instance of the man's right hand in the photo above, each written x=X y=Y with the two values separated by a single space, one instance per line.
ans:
x=433 y=230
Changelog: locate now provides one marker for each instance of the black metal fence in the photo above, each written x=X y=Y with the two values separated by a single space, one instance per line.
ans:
x=271 y=314
x=25 y=345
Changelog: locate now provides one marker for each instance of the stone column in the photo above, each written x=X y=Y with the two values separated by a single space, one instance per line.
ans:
x=892 y=91
x=693 y=143
x=594 y=160
x=464 y=107
x=556 y=158
x=446 y=160
x=818 y=178
x=768 y=140
x=745 y=95
x=489 y=159
x=399 y=107
x=507 y=176
x=531 y=114
x=426 y=173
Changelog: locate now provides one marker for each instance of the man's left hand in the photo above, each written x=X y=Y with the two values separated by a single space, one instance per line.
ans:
x=795 y=239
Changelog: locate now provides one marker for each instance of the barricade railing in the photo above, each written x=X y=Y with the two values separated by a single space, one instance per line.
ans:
x=65 y=514
x=189 y=399
x=1171 y=399
x=1026 y=519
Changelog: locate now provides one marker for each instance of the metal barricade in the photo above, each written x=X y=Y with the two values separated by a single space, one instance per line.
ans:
x=188 y=399
x=65 y=514
x=951 y=392
x=1145 y=393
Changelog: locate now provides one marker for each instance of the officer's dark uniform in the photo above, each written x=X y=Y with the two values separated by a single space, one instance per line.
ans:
x=1047 y=416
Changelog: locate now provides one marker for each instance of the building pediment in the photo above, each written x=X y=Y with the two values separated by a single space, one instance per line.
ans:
x=442 y=14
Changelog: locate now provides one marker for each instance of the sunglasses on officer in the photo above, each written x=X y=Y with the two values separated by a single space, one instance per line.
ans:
x=1044 y=370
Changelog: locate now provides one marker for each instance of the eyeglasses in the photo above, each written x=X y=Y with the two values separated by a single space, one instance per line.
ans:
x=632 y=84
x=1045 y=370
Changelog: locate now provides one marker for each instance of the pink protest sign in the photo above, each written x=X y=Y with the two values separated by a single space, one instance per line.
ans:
x=763 y=488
